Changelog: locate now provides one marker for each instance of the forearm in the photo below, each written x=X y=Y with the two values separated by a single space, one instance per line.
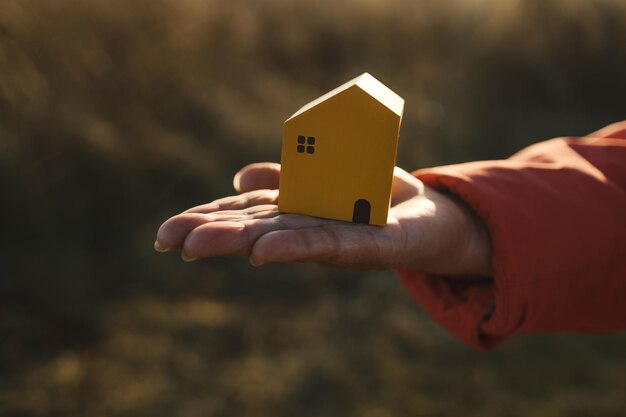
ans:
x=555 y=215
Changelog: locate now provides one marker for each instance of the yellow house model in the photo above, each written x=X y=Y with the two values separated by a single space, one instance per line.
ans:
x=338 y=153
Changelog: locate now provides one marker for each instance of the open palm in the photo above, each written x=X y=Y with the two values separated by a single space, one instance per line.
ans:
x=426 y=230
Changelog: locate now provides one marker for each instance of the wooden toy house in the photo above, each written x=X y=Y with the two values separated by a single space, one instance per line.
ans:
x=339 y=151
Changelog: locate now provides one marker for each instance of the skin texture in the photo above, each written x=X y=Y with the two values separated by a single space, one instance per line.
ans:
x=426 y=230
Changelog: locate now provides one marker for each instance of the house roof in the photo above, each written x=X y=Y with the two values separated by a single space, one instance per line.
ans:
x=370 y=85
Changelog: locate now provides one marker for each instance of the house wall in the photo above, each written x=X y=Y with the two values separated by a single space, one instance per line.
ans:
x=354 y=155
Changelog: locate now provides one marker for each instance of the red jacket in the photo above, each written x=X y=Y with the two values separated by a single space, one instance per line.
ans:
x=556 y=214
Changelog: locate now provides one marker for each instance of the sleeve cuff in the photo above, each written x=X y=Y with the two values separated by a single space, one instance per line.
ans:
x=476 y=310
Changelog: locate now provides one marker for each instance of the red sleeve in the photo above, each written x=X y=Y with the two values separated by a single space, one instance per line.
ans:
x=556 y=214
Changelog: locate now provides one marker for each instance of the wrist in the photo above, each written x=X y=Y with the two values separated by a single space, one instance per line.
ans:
x=449 y=238
x=474 y=248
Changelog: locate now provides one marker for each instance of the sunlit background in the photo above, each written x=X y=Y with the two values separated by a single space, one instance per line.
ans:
x=115 y=115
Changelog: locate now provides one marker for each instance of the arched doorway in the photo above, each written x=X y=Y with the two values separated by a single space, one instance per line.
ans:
x=361 y=212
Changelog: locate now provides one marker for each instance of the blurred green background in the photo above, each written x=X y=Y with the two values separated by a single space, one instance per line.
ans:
x=115 y=115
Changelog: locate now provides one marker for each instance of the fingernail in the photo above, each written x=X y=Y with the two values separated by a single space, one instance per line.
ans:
x=187 y=258
x=255 y=263
x=160 y=248
x=237 y=182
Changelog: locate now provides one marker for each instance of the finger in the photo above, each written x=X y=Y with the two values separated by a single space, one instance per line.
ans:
x=262 y=175
x=238 y=202
x=404 y=186
x=172 y=233
x=356 y=246
x=221 y=238
x=615 y=130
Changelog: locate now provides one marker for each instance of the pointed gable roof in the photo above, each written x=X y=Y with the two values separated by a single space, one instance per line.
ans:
x=371 y=86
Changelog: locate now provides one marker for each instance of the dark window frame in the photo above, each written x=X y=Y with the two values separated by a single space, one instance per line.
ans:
x=310 y=144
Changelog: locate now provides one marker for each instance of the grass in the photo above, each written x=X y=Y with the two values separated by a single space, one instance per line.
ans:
x=114 y=115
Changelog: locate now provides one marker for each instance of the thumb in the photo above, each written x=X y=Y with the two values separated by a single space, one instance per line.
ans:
x=404 y=186
x=258 y=176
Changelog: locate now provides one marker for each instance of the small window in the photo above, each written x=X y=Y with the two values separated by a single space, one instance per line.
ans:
x=310 y=142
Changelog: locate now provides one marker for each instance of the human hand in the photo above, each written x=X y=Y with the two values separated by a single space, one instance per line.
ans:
x=426 y=230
